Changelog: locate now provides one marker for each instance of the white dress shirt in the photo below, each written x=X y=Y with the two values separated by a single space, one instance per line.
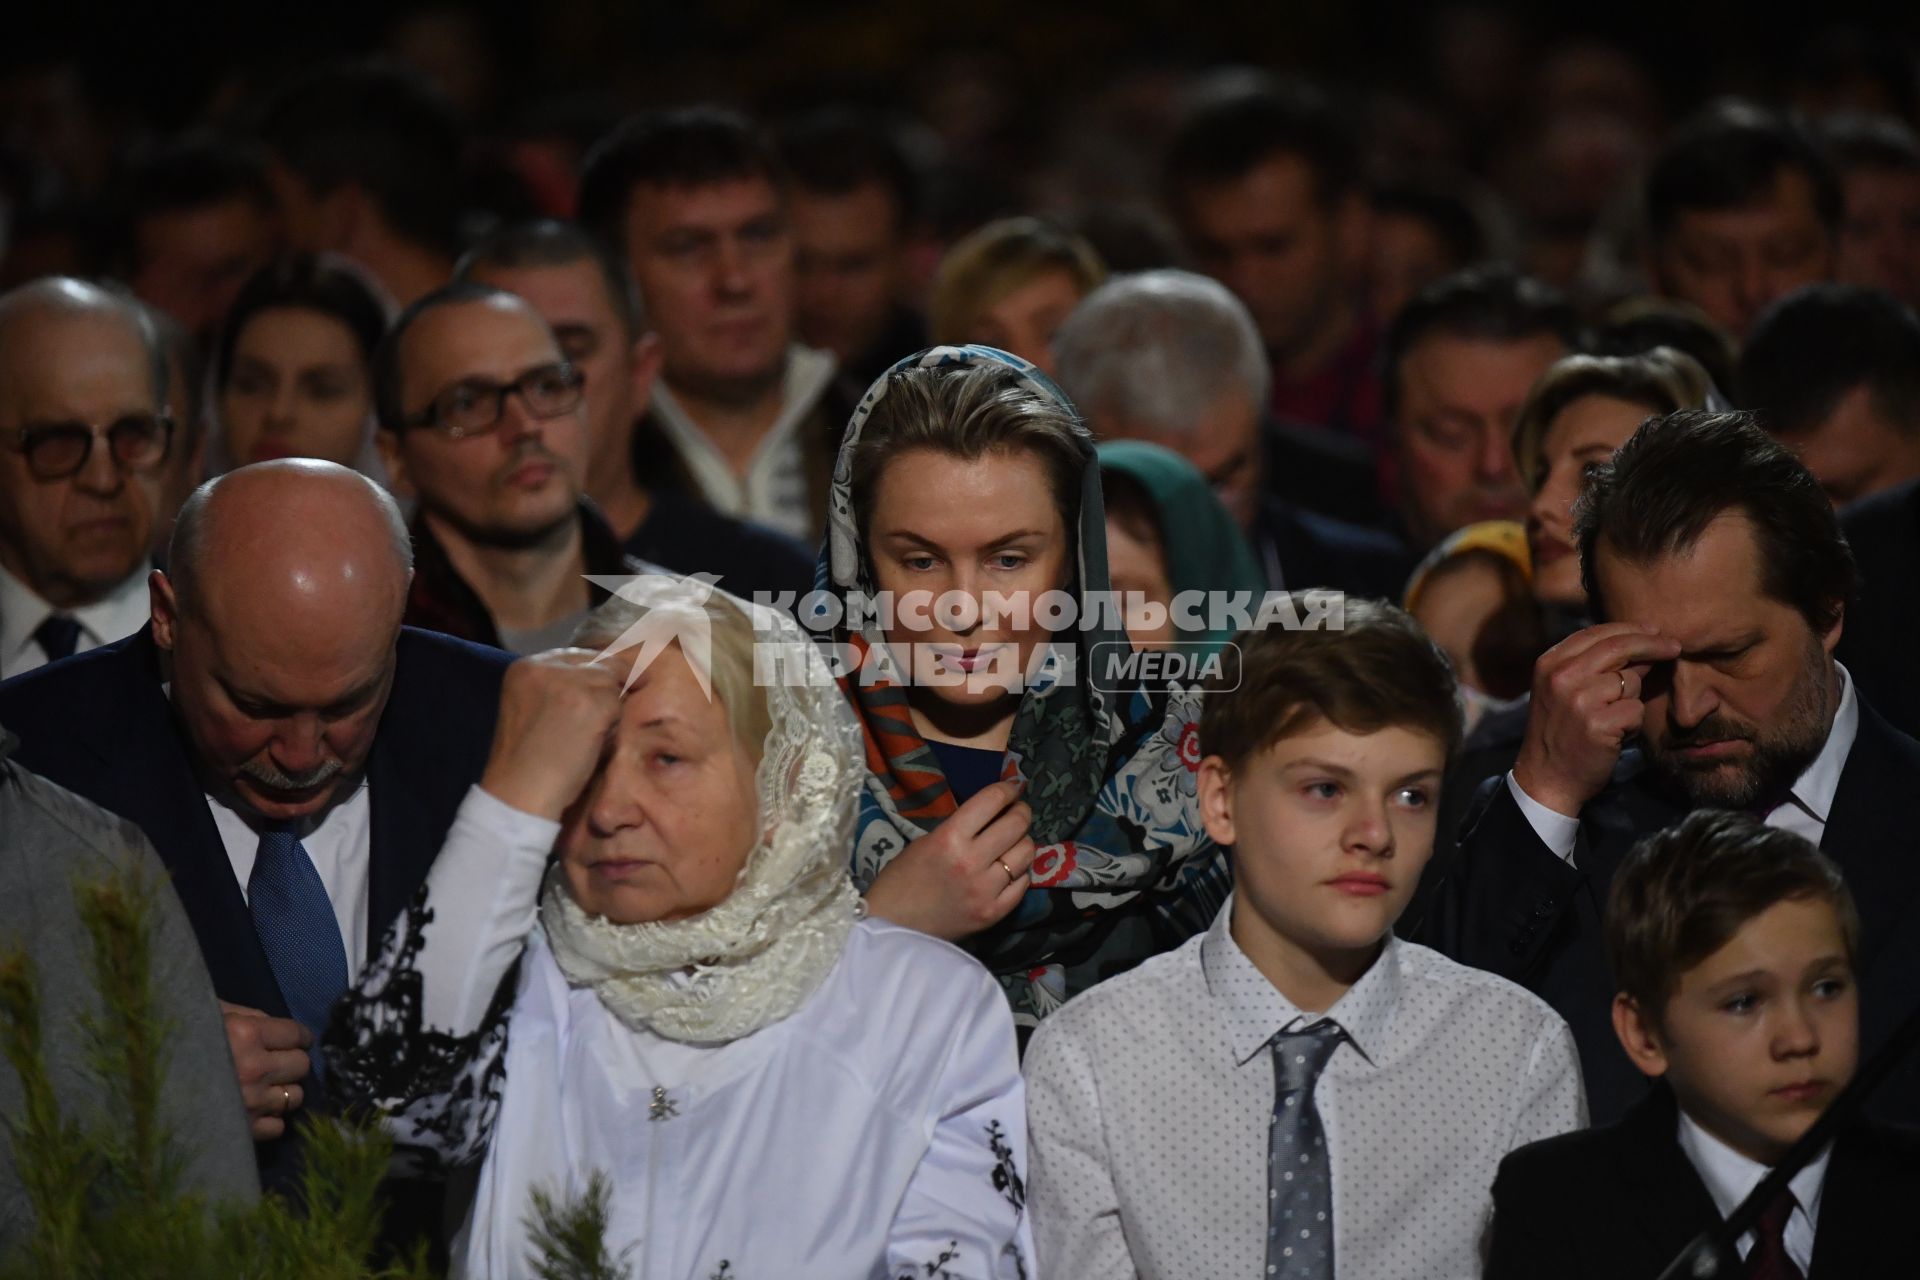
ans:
x=878 y=1131
x=340 y=847
x=115 y=616
x=1804 y=812
x=1150 y=1097
x=773 y=489
x=1731 y=1178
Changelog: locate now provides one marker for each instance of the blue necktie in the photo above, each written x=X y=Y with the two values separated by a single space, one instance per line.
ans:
x=1299 y=1180
x=57 y=637
x=295 y=921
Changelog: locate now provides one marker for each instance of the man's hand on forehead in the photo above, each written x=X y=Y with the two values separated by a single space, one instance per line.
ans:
x=1586 y=702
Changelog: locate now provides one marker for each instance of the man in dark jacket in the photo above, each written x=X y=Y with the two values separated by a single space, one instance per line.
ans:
x=296 y=756
x=1716 y=566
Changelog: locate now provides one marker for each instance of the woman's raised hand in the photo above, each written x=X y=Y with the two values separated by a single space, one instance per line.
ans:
x=556 y=710
x=965 y=876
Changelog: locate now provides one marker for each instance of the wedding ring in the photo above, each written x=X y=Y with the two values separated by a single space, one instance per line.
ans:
x=1009 y=870
x=1623 y=684
x=286 y=1099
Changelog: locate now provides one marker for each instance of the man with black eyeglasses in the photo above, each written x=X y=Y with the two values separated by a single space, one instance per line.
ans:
x=84 y=434
x=484 y=419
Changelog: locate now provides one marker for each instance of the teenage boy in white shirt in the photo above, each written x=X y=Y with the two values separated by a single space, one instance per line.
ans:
x=1297 y=1093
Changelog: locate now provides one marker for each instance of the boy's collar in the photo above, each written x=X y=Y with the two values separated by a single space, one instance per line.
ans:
x=1253 y=1009
x=1730 y=1176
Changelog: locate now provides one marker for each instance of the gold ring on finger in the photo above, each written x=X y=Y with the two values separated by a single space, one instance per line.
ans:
x=1623 y=684
x=1009 y=870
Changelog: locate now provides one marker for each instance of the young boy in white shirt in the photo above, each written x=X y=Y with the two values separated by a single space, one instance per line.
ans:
x=1297 y=1093
x=1733 y=947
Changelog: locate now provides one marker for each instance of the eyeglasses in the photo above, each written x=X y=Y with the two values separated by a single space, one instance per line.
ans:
x=56 y=450
x=475 y=406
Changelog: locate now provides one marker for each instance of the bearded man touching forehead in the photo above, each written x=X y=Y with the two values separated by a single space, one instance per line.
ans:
x=1717 y=571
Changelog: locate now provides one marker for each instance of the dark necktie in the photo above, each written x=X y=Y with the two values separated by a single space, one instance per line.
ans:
x=295 y=921
x=1768 y=1259
x=57 y=637
x=1299 y=1176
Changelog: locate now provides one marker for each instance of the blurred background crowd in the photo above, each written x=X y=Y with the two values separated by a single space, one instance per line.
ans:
x=1419 y=208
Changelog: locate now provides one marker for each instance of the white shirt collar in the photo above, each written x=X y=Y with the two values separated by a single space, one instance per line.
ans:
x=115 y=616
x=1813 y=789
x=807 y=374
x=1253 y=1008
x=1731 y=1177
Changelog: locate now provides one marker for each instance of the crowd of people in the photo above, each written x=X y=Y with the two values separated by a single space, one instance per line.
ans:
x=644 y=679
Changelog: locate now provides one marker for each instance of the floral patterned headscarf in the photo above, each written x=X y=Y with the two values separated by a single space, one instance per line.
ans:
x=1124 y=868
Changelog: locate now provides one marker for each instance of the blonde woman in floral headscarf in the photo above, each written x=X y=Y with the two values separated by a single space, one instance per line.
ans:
x=1020 y=800
x=694 y=1003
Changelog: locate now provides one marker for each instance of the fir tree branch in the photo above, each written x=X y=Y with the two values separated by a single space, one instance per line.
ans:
x=570 y=1240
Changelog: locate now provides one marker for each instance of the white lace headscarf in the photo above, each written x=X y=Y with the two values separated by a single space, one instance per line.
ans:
x=755 y=957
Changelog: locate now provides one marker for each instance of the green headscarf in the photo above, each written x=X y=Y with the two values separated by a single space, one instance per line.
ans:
x=1204 y=549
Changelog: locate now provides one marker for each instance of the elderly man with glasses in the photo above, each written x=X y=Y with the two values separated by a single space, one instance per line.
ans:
x=84 y=434
x=484 y=420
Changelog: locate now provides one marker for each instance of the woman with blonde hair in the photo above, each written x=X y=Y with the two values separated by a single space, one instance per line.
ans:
x=1011 y=285
x=1581 y=410
x=1031 y=790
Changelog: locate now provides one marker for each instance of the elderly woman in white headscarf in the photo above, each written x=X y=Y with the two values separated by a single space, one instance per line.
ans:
x=697 y=1008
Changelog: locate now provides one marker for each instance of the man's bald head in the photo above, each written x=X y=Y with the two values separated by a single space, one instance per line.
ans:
x=64 y=300
x=281 y=614
x=289 y=530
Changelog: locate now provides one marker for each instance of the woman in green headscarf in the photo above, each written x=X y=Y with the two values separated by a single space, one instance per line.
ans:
x=1171 y=541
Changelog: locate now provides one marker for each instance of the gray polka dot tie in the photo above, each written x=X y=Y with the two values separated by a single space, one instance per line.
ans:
x=1299 y=1185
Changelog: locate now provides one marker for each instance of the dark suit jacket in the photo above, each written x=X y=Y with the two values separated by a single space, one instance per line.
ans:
x=100 y=725
x=685 y=535
x=1489 y=751
x=1620 y=1203
x=1317 y=551
x=1511 y=906
x=1324 y=470
x=1878 y=641
x=440 y=600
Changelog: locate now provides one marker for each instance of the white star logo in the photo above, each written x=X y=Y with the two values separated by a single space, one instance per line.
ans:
x=675 y=611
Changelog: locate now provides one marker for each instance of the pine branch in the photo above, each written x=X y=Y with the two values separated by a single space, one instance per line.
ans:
x=105 y=1195
x=570 y=1240
x=128 y=1044
x=54 y=1164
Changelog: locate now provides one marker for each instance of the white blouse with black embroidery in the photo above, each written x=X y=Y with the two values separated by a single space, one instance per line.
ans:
x=879 y=1131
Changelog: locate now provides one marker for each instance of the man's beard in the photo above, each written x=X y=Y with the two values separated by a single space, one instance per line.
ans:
x=501 y=537
x=1779 y=755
